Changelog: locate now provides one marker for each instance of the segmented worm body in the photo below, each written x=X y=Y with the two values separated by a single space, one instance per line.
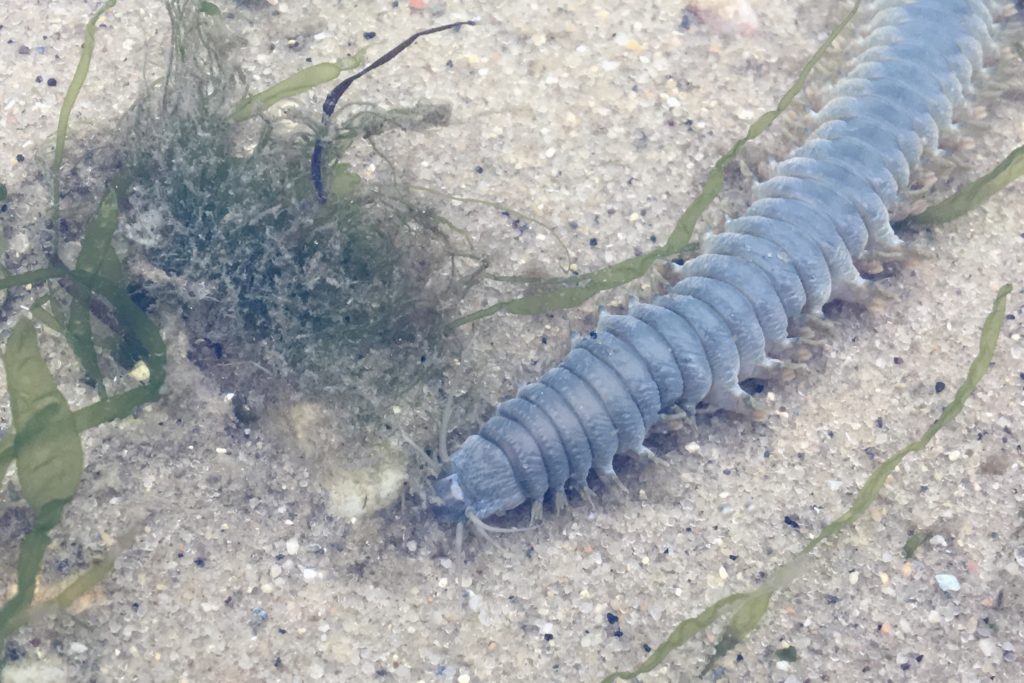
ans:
x=731 y=315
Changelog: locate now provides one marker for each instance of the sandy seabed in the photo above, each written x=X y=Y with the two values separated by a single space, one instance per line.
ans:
x=607 y=116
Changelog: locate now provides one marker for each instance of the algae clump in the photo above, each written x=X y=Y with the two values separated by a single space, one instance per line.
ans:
x=347 y=298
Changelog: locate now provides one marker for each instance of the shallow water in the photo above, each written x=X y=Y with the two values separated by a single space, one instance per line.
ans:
x=606 y=115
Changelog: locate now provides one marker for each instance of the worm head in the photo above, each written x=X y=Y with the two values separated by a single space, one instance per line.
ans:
x=449 y=502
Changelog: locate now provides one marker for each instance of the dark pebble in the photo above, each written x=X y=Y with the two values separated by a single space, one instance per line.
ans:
x=593 y=241
x=612 y=618
x=369 y=35
x=19 y=158
x=51 y=82
x=831 y=599
x=940 y=387
x=791 y=522
x=879 y=423
x=12 y=653
x=24 y=50
x=199 y=562
x=647 y=648
x=617 y=633
x=897 y=360
x=549 y=637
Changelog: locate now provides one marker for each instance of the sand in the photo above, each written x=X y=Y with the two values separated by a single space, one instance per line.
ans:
x=605 y=115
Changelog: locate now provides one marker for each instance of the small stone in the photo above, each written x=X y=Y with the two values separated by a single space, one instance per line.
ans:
x=464 y=678
x=854 y=578
x=728 y=17
x=291 y=546
x=947 y=582
x=140 y=373
x=77 y=648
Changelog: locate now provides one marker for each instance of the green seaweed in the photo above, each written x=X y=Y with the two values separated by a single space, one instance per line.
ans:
x=972 y=195
x=751 y=606
x=297 y=83
x=95 y=258
x=79 y=586
x=44 y=442
x=47 y=453
x=331 y=297
x=583 y=287
x=74 y=88
x=47 y=450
